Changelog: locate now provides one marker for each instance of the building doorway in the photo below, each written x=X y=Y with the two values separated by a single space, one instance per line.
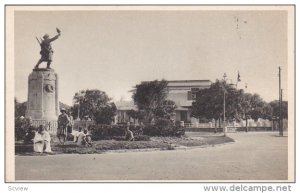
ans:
x=183 y=116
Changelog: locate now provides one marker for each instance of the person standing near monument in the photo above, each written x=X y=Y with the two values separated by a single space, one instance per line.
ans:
x=63 y=121
x=46 y=49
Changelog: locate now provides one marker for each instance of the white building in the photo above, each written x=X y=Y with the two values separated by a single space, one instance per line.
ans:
x=182 y=92
x=122 y=111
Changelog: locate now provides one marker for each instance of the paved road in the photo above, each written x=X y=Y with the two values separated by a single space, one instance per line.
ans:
x=254 y=156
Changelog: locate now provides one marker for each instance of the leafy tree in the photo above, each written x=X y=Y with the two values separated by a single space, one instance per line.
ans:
x=95 y=104
x=63 y=105
x=209 y=102
x=267 y=111
x=239 y=105
x=275 y=108
x=150 y=98
x=106 y=114
x=22 y=125
x=166 y=110
x=254 y=107
x=20 y=108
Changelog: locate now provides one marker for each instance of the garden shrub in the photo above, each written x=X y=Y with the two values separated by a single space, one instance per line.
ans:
x=118 y=138
x=112 y=131
x=136 y=138
x=24 y=130
x=20 y=128
x=29 y=135
x=163 y=127
x=151 y=130
x=142 y=138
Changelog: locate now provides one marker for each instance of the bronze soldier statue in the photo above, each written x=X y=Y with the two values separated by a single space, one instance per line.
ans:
x=46 y=49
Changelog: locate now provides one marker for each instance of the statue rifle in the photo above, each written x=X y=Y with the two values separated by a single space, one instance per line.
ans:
x=58 y=30
x=38 y=40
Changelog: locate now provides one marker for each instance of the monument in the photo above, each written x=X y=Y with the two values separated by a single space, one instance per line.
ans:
x=43 y=102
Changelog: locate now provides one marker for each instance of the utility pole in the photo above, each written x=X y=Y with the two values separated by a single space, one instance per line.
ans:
x=224 y=124
x=280 y=104
x=281 y=117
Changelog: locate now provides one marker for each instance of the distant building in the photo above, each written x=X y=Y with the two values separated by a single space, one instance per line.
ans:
x=122 y=112
x=182 y=92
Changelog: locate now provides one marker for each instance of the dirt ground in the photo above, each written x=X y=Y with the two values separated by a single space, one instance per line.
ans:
x=101 y=146
x=253 y=156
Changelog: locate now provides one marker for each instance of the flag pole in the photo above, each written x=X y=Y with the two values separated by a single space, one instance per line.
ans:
x=238 y=79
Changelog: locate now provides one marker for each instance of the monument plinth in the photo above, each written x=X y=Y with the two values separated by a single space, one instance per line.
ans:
x=42 y=103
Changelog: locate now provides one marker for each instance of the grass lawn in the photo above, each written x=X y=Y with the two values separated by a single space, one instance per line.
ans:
x=162 y=143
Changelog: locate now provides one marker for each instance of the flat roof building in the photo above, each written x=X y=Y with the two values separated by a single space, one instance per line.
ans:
x=182 y=92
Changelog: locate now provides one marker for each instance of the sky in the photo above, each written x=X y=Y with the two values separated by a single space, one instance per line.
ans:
x=114 y=50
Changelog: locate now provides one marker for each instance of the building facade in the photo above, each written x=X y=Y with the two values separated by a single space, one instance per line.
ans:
x=123 y=107
x=182 y=92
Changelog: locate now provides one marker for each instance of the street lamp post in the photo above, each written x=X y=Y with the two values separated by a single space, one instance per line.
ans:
x=280 y=104
x=224 y=106
x=78 y=112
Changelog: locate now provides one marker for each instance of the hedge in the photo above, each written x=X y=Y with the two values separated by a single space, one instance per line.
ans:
x=140 y=132
x=100 y=132
x=24 y=130
x=164 y=127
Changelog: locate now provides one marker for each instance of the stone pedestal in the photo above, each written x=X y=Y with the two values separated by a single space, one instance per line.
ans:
x=43 y=103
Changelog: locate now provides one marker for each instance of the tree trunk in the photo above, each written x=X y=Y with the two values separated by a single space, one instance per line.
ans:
x=216 y=130
x=246 y=124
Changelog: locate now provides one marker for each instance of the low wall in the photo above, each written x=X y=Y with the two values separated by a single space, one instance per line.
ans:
x=193 y=129
x=83 y=124
x=254 y=129
x=229 y=129
x=51 y=126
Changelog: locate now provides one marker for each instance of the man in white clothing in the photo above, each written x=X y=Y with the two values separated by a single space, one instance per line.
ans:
x=42 y=140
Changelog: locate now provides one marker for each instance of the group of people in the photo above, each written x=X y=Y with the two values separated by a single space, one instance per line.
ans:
x=42 y=139
x=82 y=137
x=65 y=127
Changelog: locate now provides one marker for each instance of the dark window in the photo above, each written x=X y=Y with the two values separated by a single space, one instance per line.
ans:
x=183 y=116
x=192 y=94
